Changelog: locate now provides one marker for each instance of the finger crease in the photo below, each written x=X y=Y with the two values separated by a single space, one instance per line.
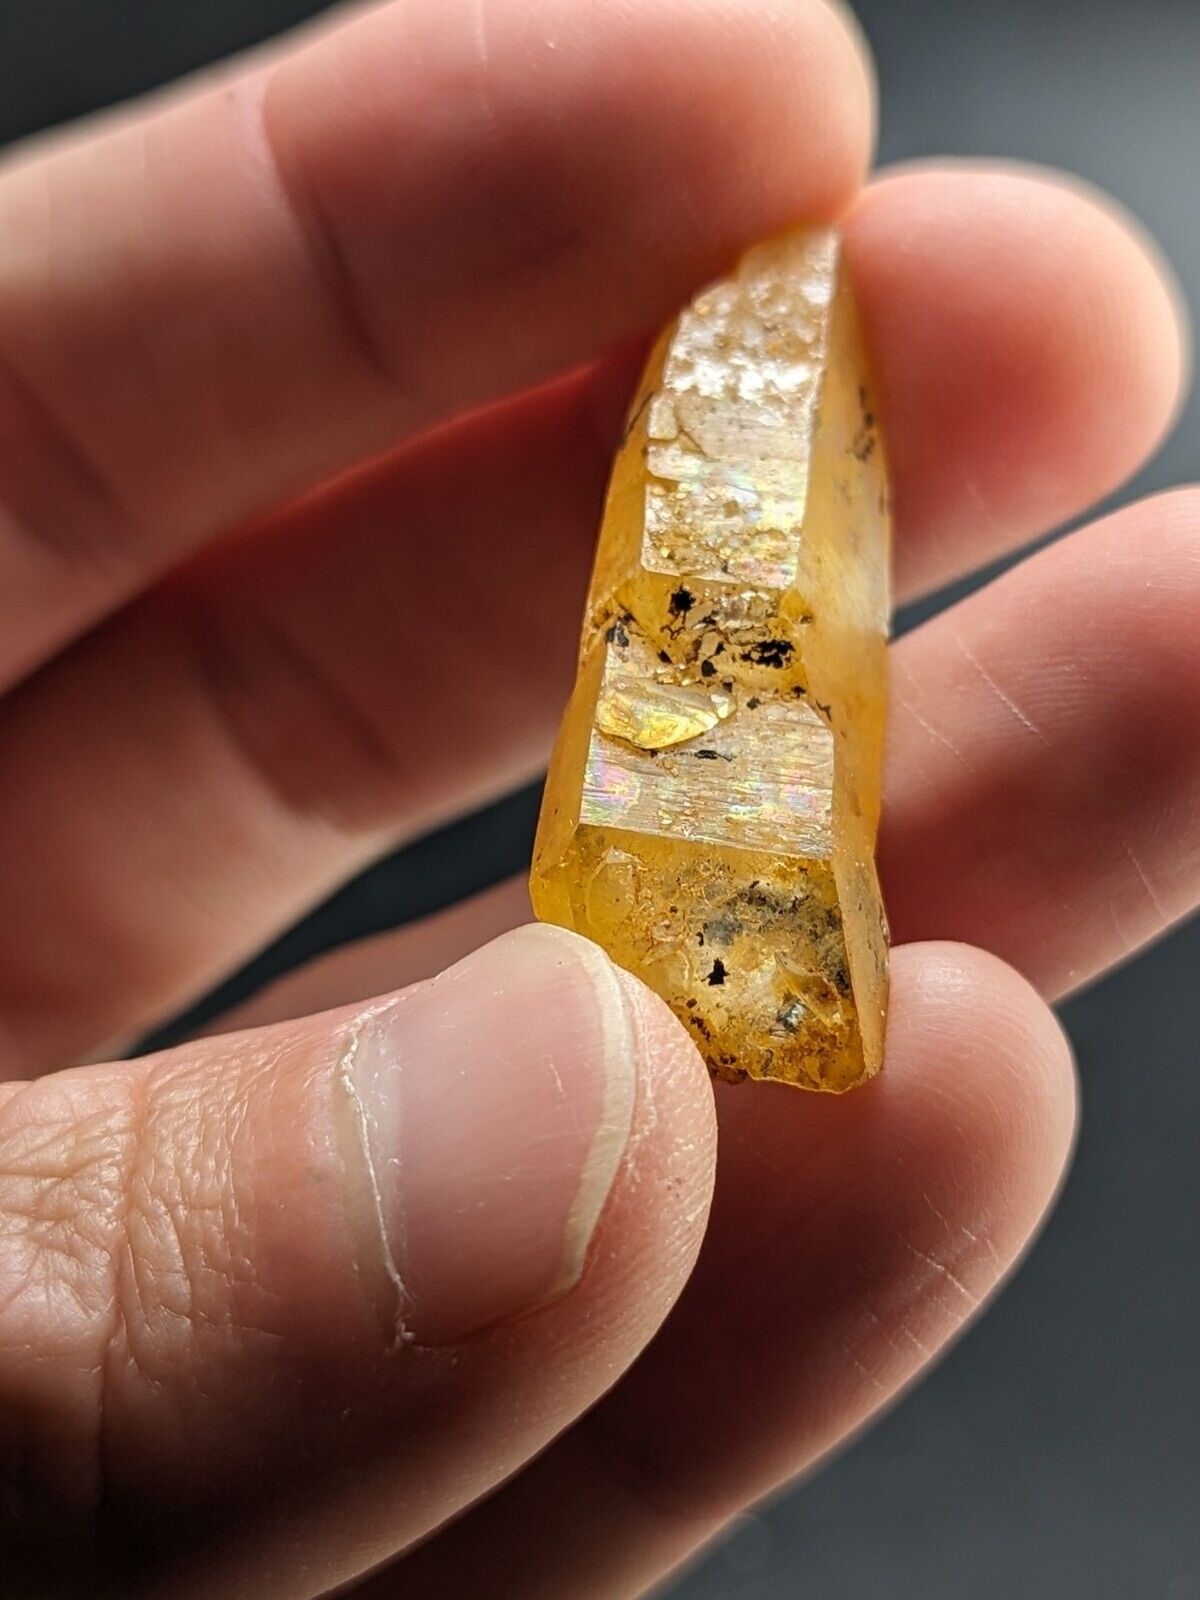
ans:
x=928 y=727
x=56 y=493
x=317 y=235
x=1151 y=893
x=1000 y=693
x=279 y=672
x=942 y=1270
x=124 y=1272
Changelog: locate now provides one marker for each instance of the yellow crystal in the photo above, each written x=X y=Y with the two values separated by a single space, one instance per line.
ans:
x=712 y=804
x=655 y=715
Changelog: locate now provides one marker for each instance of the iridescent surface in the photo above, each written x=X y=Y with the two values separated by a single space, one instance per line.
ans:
x=712 y=805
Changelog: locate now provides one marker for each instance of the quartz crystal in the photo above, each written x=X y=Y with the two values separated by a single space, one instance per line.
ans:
x=712 y=804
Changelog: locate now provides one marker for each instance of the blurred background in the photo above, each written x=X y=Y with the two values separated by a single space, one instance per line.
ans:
x=1056 y=1454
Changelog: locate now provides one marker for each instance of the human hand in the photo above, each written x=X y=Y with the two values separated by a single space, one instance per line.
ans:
x=275 y=1307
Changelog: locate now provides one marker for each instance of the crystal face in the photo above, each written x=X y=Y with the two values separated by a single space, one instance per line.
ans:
x=712 y=804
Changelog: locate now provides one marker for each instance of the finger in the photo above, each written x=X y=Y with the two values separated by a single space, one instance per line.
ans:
x=216 y=303
x=1029 y=344
x=850 y=1239
x=1044 y=780
x=343 y=1276
x=306 y=728
x=1042 y=792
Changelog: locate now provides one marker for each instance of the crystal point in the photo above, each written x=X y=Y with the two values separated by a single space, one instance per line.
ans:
x=712 y=804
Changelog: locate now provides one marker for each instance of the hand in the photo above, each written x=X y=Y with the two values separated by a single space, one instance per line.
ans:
x=276 y=1306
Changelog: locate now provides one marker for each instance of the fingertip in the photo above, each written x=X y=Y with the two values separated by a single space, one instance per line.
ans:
x=860 y=87
x=982 y=1065
x=805 y=75
x=1134 y=304
x=1035 y=761
x=666 y=1050
x=1031 y=346
x=1167 y=317
x=661 y=1197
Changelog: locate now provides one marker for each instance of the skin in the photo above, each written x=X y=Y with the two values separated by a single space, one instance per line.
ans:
x=260 y=338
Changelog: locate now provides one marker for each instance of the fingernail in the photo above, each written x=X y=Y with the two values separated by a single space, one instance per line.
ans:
x=495 y=1104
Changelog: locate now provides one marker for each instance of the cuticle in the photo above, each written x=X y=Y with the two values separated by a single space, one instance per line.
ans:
x=388 y=1292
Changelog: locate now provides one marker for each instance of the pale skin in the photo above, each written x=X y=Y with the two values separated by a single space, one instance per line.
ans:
x=220 y=701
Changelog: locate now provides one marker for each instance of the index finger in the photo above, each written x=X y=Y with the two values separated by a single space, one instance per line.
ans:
x=212 y=305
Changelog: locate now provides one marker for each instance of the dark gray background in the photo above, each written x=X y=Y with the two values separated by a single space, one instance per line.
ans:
x=1056 y=1454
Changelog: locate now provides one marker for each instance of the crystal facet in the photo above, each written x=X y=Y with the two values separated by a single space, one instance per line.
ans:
x=711 y=808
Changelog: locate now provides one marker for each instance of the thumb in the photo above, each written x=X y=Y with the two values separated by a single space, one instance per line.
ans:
x=274 y=1305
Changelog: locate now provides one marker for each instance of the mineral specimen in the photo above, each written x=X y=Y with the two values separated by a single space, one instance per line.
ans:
x=711 y=809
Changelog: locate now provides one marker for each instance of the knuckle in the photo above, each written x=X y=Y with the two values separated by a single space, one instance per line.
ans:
x=118 y=1260
x=56 y=499
x=65 y=1147
x=321 y=242
x=308 y=731
x=127 y=1270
